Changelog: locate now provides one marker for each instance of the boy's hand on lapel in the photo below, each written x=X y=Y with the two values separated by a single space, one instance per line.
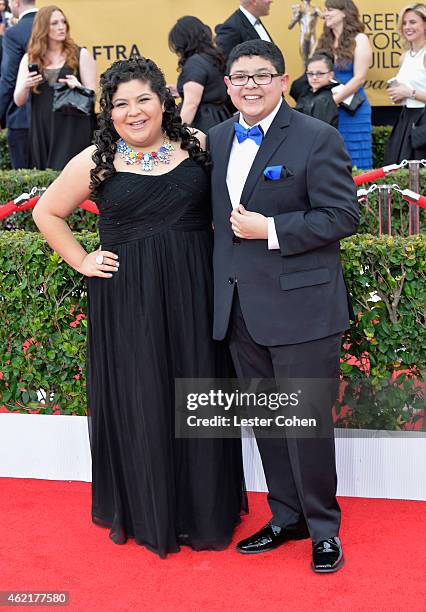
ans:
x=249 y=225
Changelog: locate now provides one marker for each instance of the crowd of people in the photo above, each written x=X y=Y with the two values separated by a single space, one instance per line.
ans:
x=331 y=88
x=276 y=186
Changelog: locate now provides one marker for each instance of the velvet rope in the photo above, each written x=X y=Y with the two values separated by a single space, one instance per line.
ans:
x=413 y=198
x=372 y=175
x=367 y=177
x=8 y=209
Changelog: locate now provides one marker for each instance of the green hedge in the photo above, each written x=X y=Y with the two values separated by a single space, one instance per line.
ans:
x=380 y=136
x=42 y=336
x=369 y=223
x=384 y=359
x=43 y=328
x=4 y=152
x=15 y=182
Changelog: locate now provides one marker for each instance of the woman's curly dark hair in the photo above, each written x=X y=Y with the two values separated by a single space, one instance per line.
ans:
x=190 y=35
x=352 y=25
x=106 y=137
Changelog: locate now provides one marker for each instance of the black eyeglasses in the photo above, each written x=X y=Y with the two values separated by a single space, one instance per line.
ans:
x=261 y=78
x=317 y=74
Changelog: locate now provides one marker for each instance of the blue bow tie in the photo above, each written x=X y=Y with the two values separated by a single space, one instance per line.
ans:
x=255 y=133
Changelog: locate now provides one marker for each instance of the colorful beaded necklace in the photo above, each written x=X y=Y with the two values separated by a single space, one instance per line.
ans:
x=146 y=160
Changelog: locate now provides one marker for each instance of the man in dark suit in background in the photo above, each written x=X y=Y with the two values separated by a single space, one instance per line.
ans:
x=243 y=25
x=283 y=197
x=15 y=119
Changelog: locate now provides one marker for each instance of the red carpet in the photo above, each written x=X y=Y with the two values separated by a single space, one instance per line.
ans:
x=47 y=542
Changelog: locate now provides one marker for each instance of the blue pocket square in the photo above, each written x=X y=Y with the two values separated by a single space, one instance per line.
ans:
x=272 y=173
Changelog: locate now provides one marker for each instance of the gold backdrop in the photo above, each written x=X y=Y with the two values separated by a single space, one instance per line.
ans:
x=114 y=29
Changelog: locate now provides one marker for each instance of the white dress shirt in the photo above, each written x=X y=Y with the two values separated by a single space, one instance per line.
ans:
x=256 y=24
x=241 y=160
x=33 y=10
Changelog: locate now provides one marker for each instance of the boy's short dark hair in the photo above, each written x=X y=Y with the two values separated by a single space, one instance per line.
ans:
x=265 y=49
x=322 y=56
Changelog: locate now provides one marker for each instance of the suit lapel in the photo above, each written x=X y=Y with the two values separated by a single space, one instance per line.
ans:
x=275 y=136
x=263 y=25
x=222 y=163
x=248 y=27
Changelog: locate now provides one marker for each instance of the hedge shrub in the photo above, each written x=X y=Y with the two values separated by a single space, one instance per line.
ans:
x=380 y=136
x=13 y=183
x=43 y=328
x=384 y=359
x=400 y=209
x=42 y=332
x=4 y=152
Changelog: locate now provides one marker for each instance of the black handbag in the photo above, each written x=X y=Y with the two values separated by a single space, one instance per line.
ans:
x=418 y=132
x=355 y=103
x=77 y=101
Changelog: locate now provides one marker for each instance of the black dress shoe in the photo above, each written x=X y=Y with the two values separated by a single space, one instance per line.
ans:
x=270 y=537
x=327 y=556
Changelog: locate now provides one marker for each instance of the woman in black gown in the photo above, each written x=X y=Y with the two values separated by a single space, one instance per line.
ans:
x=149 y=318
x=55 y=137
x=201 y=69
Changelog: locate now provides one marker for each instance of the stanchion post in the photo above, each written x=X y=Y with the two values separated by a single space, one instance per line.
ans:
x=385 y=207
x=414 y=185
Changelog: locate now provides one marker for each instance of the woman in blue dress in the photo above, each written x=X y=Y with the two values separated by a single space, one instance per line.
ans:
x=343 y=36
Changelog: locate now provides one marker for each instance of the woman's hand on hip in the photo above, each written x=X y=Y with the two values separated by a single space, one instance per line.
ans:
x=99 y=263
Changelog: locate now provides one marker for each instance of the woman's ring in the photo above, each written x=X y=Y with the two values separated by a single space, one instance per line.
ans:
x=99 y=259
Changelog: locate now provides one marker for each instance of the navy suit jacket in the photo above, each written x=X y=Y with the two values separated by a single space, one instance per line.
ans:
x=235 y=30
x=15 y=43
x=296 y=293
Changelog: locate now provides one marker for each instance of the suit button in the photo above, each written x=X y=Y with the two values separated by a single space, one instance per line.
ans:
x=231 y=280
x=236 y=240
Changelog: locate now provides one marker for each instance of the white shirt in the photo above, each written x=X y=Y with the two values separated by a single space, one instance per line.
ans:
x=256 y=24
x=33 y=10
x=413 y=74
x=241 y=160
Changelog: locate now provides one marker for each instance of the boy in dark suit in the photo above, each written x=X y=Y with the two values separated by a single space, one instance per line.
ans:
x=283 y=197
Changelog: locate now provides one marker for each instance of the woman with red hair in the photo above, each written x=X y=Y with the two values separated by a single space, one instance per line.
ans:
x=53 y=57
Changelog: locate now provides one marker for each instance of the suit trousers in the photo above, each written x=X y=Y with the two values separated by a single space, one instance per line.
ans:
x=300 y=472
x=19 y=147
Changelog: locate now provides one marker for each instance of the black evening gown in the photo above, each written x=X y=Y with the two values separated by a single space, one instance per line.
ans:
x=148 y=324
x=55 y=138
x=399 y=145
x=213 y=108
